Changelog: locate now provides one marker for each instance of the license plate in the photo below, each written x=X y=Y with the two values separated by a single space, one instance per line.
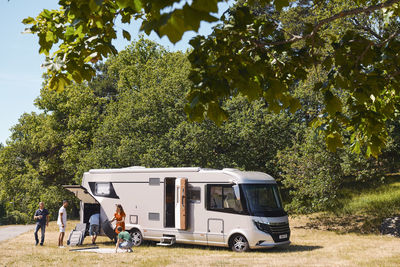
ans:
x=282 y=236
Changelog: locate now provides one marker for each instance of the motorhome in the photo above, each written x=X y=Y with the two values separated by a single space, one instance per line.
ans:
x=231 y=208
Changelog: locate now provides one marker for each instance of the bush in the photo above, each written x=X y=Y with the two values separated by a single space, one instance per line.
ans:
x=311 y=174
x=317 y=179
x=15 y=217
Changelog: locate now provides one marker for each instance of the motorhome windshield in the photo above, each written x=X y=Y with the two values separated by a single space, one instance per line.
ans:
x=263 y=200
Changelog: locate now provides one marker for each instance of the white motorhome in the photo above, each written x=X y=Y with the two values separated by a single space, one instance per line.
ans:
x=231 y=208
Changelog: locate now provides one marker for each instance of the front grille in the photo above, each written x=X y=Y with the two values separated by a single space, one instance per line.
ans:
x=275 y=230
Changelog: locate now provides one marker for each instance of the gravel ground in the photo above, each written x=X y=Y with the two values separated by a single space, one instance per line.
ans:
x=8 y=232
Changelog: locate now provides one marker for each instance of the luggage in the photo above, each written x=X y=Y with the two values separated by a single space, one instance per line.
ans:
x=77 y=235
x=108 y=229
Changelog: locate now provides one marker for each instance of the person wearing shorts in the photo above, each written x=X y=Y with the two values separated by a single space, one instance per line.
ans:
x=62 y=223
x=94 y=226
x=124 y=240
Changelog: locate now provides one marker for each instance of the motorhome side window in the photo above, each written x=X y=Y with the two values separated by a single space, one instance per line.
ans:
x=194 y=194
x=103 y=189
x=222 y=198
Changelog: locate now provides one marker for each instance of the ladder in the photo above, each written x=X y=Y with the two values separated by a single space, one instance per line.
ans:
x=167 y=241
x=77 y=235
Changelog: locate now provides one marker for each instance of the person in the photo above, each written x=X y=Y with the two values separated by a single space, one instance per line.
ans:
x=94 y=226
x=62 y=222
x=124 y=240
x=119 y=216
x=42 y=220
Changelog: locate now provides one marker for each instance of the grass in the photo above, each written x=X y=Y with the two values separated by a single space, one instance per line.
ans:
x=361 y=210
x=310 y=247
x=384 y=201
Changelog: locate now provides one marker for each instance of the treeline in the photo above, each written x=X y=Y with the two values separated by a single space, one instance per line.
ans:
x=132 y=113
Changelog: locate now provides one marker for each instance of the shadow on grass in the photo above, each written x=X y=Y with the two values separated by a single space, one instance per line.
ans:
x=293 y=248
x=285 y=249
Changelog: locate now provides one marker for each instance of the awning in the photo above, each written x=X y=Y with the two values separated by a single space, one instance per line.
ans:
x=81 y=193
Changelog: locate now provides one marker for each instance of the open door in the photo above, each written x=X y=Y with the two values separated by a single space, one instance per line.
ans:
x=81 y=193
x=181 y=204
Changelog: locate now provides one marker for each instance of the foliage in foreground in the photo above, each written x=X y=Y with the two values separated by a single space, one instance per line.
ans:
x=255 y=51
x=132 y=113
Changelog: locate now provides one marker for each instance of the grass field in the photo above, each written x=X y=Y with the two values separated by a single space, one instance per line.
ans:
x=310 y=247
x=362 y=211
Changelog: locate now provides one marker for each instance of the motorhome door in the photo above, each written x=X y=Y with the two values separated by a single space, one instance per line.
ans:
x=181 y=203
x=88 y=204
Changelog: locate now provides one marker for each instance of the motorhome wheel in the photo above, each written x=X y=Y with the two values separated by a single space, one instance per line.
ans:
x=239 y=243
x=137 y=237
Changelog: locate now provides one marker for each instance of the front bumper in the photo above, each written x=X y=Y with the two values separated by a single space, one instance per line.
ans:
x=267 y=244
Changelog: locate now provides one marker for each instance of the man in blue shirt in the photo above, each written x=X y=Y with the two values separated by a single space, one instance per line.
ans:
x=42 y=220
x=94 y=226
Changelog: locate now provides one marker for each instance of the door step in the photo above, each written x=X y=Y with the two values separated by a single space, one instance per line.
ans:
x=167 y=241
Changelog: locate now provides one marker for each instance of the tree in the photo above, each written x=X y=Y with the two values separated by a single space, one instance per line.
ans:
x=132 y=113
x=146 y=124
x=251 y=53
x=256 y=52
x=31 y=169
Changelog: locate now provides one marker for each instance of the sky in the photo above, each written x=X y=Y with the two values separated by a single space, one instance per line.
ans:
x=20 y=71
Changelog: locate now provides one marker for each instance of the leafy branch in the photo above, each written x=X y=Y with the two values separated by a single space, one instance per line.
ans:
x=340 y=15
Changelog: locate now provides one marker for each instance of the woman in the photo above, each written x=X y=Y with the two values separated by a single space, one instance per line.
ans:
x=119 y=216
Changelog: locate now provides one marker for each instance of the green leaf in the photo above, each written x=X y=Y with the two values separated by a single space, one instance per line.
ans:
x=90 y=57
x=333 y=141
x=138 y=5
x=356 y=147
x=294 y=105
x=62 y=82
x=195 y=112
x=126 y=35
x=206 y=5
x=69 y=32
x=332 y=102
x=279 y=4
x=28 y=20
x=49 y=36
x=216 y=114
x=46 y=14
x=123 y=3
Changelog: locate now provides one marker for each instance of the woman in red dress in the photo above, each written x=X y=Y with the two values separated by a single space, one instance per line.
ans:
x=119 y=216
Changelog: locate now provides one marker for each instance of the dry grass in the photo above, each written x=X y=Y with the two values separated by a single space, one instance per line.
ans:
x=310 y=247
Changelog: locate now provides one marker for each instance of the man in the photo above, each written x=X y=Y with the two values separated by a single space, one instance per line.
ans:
x=42 y=220
x=62 y=223
x=124 y=240
x=94 y=227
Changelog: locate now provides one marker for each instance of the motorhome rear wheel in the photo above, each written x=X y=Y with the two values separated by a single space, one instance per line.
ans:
x=137 y=237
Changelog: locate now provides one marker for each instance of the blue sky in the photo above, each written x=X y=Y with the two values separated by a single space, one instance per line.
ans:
x=20 y=71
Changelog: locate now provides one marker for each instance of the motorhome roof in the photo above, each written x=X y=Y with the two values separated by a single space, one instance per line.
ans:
x=237 y=175
x=139 y=169
x=249 y=176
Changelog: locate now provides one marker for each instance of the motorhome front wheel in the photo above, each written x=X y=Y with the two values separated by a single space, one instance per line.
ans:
x=239 y=243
